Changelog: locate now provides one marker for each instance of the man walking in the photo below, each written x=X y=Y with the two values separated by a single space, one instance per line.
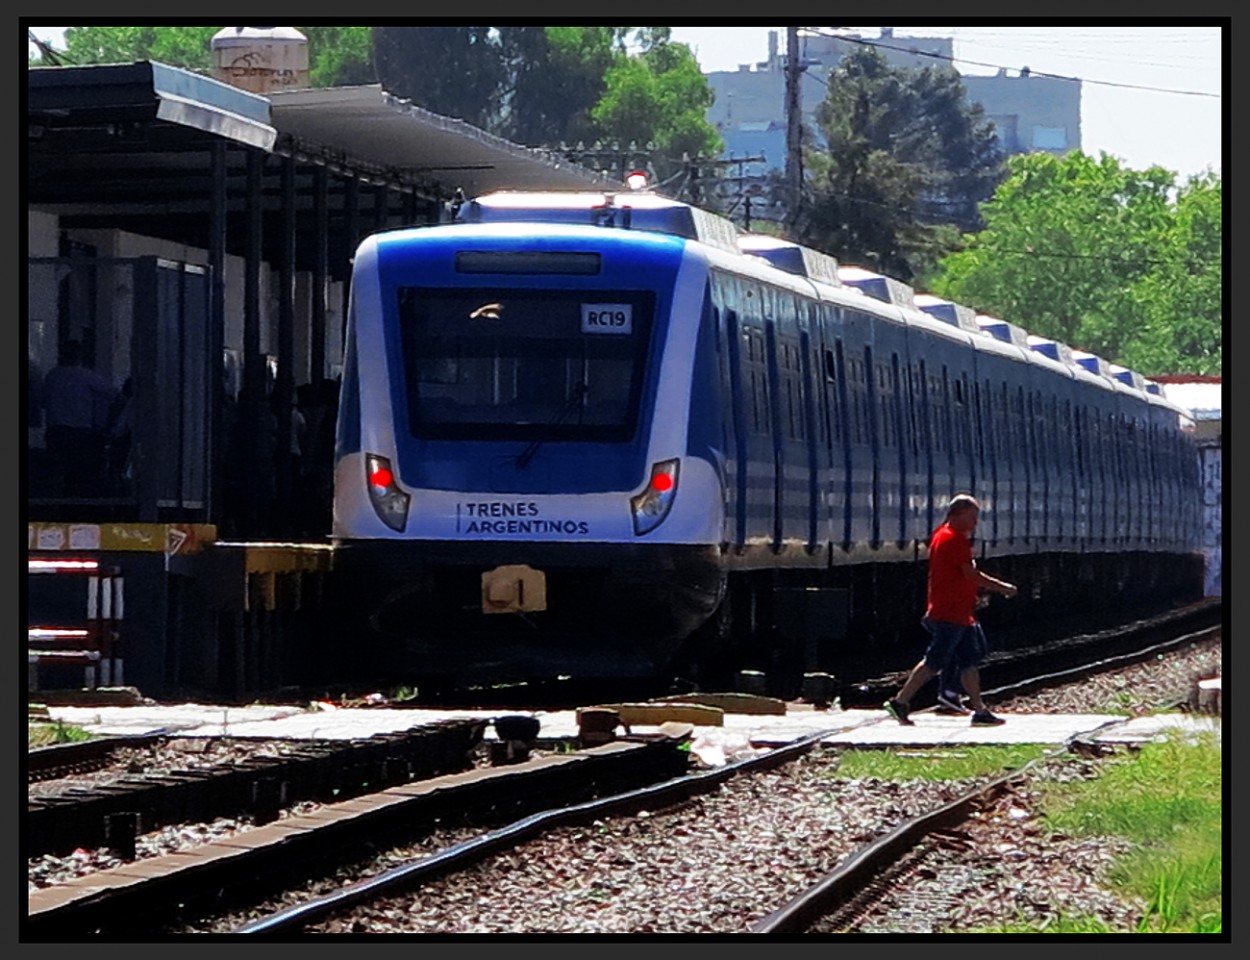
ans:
x=954 y=635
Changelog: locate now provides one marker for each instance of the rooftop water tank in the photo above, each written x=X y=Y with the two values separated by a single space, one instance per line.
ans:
x=261 y=59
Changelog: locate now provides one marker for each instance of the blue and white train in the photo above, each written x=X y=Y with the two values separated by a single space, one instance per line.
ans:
x=608 y=435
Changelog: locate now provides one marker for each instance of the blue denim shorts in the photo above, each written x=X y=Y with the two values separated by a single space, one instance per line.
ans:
x=964 y=646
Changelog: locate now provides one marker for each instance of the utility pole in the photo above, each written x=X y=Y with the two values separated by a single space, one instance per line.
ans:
x=794 y=136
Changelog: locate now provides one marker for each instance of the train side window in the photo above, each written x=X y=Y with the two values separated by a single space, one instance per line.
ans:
x=838 y=398
x=979 y=424
x=959 y=415
x=915 y=395
x=885 y=403
x=859 y=383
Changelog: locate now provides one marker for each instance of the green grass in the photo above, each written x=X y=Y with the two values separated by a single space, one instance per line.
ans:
x=1166 y=800
x=945 y=764
x=49 y=734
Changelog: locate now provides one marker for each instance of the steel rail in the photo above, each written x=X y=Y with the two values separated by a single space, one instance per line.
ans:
x=1100 y=666
x=862 y=867
x=51 y=762
x=468 y=852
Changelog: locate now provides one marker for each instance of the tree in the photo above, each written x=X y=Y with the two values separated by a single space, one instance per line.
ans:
x=1111 y=260
x=661 y=97
x=559 y=77
x=186 y=47
x=336 y=55
x=555 y=86
x=906 y=160
x=454 y=71
x=1181 y=299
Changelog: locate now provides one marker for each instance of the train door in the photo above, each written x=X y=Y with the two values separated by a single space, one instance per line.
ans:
x=873 y=415
x=863 y=507
x=1081 y=478
x=967 y=460
x=902 y=438
x=734 y=339
x=1067 y=468
x=726 y=322
x=913 y=480
x=1104 y=502
x=838 y=453
x=993 y=442
x=1025 y=453
x=814 y=424
x=845 y=421
x=889 y=521
x=776 y=399
x=1040 y=443
x=760 y=454
x=928 y=433
x=795 y=480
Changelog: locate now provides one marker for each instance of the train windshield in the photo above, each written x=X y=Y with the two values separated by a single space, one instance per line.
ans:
x=524 y=364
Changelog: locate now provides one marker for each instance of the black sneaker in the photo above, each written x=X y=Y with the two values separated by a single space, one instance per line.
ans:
x=983 y=718
x=949 y=705
x=899 y=711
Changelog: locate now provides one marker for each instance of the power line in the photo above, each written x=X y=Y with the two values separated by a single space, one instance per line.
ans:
x=47 y=51
x=864 y=42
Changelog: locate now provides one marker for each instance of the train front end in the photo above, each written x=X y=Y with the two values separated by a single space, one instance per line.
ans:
x=518 y=494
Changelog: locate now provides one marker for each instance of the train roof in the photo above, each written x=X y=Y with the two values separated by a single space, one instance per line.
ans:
x=627 y=210
x=1125 y=375
x=1051 y=348
x=878 y=286
x=792 y=257
x=652 y=212
x=1003 y=330
x=956 y=314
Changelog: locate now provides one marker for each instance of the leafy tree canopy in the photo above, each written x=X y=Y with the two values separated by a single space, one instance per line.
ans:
x=1122 y=263
x=542 y=86
x=336 y=55
x=555 y=86
x=906 y=160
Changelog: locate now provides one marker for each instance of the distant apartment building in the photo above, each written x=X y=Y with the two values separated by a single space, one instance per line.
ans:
x=1029 y=113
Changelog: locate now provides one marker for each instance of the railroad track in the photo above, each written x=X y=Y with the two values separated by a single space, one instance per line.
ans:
x=259 y=786
x=87 y=756
x=137 y=897
x=1020 y=670
x=840 y=897
x=504 y=794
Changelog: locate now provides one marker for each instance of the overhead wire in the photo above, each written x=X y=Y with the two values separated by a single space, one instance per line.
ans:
x=866 y=42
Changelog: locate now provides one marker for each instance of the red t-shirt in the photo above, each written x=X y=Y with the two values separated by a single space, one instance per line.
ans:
x=952 y=596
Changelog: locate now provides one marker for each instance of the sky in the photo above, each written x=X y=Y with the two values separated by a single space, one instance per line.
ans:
x=1127 y=73
x=1150 y=94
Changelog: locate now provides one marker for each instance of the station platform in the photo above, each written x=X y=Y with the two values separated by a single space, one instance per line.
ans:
x=738 y=733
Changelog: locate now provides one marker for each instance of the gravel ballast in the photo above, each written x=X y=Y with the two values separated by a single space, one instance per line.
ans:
x=721 y=862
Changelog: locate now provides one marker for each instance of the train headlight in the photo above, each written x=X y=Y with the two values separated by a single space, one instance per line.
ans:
x=652 y=505
x=389 y=502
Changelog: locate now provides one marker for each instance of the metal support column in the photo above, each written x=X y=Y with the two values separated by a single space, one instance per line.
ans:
x=254 y=414
x=219 y=422
x=321 y=260
x=286 y=482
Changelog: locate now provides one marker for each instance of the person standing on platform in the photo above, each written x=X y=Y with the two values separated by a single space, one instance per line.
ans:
x=954 y=634
x=76 y=401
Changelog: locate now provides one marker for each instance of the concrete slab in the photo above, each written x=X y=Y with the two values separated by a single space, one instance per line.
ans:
x=186 y=719
x=739 y=734
x=1158 y=727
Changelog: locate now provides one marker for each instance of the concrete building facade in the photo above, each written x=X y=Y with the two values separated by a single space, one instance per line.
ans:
x=1029 y=112
x=1203 y=397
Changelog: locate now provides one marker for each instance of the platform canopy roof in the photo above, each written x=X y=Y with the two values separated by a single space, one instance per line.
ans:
x=130 y=147
x=376 y=128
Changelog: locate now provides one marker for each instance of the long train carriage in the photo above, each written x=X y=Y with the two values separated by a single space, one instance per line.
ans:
x=584 y=434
